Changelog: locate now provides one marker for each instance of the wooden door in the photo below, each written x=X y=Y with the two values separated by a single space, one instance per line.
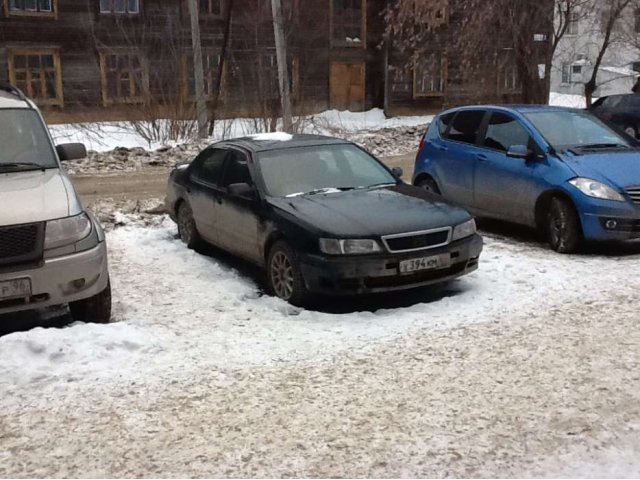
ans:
x=347 y=86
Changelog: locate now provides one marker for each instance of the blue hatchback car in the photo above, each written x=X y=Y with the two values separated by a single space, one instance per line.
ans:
x=561 y=171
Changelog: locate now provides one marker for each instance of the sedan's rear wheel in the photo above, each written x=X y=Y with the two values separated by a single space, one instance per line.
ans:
x=285 y=277
x=187 y=227
x=563 y=226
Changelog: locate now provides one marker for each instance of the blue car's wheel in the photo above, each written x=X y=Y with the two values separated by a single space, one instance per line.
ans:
x=429 y=184
x=563 y=226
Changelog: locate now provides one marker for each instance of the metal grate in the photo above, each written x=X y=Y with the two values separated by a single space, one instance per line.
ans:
x=634 y=193
x=416 y=241
x=21 y=244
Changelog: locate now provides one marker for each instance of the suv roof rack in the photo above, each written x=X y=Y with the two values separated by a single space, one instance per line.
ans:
x=7 y=87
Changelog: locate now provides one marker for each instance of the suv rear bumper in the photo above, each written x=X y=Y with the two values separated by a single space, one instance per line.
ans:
x=60 y=280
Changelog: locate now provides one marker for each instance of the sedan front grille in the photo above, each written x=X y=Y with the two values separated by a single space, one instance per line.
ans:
x=21 y=243
x=416 y=241
x=634 y=193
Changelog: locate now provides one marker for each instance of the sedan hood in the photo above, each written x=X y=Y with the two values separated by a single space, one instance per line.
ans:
x=35 y=196
x=617 y=168
x=372 y=212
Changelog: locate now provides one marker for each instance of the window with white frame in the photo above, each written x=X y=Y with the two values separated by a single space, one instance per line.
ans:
x=429 y=75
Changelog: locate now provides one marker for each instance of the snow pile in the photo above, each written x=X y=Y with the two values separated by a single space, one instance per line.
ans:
x=108 y=136
x=568 y=100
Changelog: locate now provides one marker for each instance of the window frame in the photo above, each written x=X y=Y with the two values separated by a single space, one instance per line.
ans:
x=363 y=40
x=57 y=66
x=135 y=100
x=113 y=12
x=444 y=73
x=8 y=12
x=187 y=57
x=504 y=59
x=209 y=13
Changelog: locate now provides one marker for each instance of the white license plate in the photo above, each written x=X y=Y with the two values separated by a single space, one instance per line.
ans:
x=425 y=263
x=18 y=288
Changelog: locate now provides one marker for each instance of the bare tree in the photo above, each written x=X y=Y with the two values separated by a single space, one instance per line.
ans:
x=283 y=64
x=201 y=101
x=608 y=16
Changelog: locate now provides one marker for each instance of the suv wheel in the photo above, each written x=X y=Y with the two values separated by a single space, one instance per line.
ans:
x=96 y=309
x=187 y=227
x=285 y=278
x=563 y=226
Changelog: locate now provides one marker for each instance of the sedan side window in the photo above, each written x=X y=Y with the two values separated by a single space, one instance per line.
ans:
x=208 y=166
x=237 y=169
x=504 y=131
x=465 y=126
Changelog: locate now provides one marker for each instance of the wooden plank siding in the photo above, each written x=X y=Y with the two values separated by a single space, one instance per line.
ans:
x=160 y=36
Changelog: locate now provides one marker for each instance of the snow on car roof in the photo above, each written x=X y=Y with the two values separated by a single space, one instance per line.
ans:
x=273 y=137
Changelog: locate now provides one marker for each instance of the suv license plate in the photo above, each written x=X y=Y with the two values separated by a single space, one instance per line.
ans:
x=425 y=263
x=15 y=288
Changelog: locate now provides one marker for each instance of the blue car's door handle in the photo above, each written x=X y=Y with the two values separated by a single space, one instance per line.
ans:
x=443 y=148
x=482 y=157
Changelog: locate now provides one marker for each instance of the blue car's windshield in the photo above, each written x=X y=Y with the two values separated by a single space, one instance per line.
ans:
x=566 y=129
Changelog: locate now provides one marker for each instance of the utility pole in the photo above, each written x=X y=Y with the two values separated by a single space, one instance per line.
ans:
x=283 y=70
x=198 y=70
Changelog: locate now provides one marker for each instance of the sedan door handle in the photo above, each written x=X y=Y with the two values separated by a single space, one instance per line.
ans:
x=482 y=157
x=443 y=148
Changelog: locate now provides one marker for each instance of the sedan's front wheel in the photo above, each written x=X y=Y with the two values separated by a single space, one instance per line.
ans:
x=563 y=226
x=284 y=275
x=187 y=227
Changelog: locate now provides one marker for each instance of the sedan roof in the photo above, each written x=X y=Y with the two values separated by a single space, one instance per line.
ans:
x=515 y=108
x=280 y=141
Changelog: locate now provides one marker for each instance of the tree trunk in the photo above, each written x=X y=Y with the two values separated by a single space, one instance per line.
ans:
x=221 y=65
x=198 y=70
x=283 y=70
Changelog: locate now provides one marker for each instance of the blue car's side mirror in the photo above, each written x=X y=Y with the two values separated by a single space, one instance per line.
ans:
x=519 y=151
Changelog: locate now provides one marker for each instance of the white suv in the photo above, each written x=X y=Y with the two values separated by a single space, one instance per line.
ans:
x=52 y=251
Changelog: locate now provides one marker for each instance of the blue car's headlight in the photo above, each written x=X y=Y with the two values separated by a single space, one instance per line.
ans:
x=595 y=189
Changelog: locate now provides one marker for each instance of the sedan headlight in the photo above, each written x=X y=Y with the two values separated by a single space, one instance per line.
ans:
x=66 y=231
x=595 y=189
x=332 y=246
x=464 y=230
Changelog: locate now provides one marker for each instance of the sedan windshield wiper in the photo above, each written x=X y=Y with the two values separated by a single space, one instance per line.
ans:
x=319 y=191
x=21 y=166
x=601 y=146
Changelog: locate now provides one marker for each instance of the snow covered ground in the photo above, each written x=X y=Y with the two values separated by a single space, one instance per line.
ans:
x=550 y=341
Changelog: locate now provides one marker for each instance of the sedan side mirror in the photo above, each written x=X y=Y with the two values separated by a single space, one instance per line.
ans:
x=241 y=190
x=71 y=151
x=397 y=172
x=519 y=151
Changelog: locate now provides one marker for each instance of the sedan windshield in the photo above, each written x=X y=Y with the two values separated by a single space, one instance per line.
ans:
x=565 y=130
x=24 y=143
x=321 y=169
